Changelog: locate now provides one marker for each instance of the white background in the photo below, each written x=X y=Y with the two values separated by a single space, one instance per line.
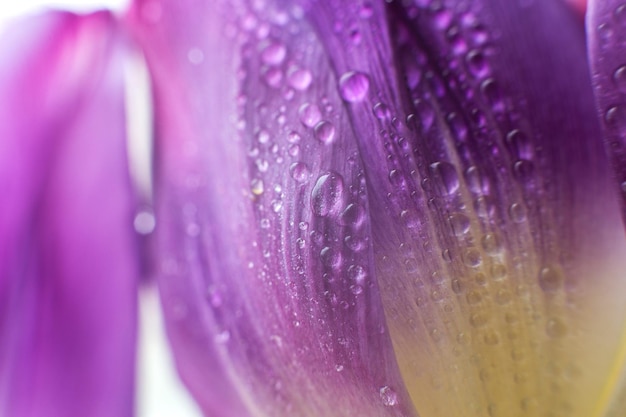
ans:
x=159 y=391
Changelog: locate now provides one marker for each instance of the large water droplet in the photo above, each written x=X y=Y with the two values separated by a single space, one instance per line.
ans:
x=327 y=195
x=354 y=86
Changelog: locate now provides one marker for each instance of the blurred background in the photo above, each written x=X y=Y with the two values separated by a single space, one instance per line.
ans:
x=159 y=391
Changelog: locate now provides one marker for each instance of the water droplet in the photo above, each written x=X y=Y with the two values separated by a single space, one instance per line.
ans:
x=493 y=95
x=310 y=114
x=550 y=278
x=325 y=132
x=491 y=244
x=520 y=144
x=445 y=178
x=381 y=111
x=273 y=77
x=327 y=195
x=300 y=79
x=388 y=396
x=517 y=212
x=477 y=63
x=354 y=215
x=144 y=222
x=460 y=223
x=555 y=328
x=354 y=86
x=274 y=54
x=472 y=258
x=473 y=298
x=331 y=258
x=299 y=171
x=619 y=78
x=357 y=273
x=616 y=118
x=256 y=186
x=195 y=56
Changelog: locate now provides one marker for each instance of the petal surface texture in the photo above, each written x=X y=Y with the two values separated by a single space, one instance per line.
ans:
x=265 y=262
x=498 y=242
x=606 y=28
x=606 y=36
x=67 y=250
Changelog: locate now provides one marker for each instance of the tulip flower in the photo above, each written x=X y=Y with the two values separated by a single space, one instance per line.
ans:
x=363 y=208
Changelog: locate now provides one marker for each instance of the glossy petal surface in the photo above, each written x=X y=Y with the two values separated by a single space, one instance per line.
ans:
x=67 y=252
x=495 y=227
x=265 y=257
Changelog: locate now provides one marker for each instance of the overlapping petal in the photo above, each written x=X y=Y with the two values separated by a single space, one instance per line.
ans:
x=67 y=254
x=264 y=247
x=494 y=223
x=606 y=34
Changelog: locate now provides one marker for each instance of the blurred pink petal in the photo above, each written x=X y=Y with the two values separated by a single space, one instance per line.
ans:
x=67 y=250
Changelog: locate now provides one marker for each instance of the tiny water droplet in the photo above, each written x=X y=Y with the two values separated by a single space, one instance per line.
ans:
x=256 y=186
x=445 y=178
x=616 y=118
x=619 y=78
x=460 y=223
x=299 y=171
x=388 y=396
x=555 y=328
x=300 y=79
x=144 y=222
x=274 y=54
x=310 y=114
x=550 y=278
x=325 y=132
x=354 y=86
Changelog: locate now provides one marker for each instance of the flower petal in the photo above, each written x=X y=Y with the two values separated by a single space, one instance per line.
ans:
x=67 y=249
x=265 y=257
x=490 y=201
x=606 y=31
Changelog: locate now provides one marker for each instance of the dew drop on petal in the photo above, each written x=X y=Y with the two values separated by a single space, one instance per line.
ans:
x=310 y=114
x=274 y=54
x=388 y=396
x=327 y=195
x=300 y=79
x=550 y=279
x=256 y=186
x=445 y=178
x=354 y=86
x=616 y=118
x=460 y=223
x=619 y=78
x=325 y=132
x=299 y=171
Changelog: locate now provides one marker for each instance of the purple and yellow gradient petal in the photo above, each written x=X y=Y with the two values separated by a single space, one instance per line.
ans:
x=499 y=247
x=67 y=253
x=264 y=248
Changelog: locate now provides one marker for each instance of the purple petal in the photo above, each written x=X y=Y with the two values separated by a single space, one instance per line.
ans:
x=494 y=224
x=266 y=269
x=67 y=251
x=606 y=33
